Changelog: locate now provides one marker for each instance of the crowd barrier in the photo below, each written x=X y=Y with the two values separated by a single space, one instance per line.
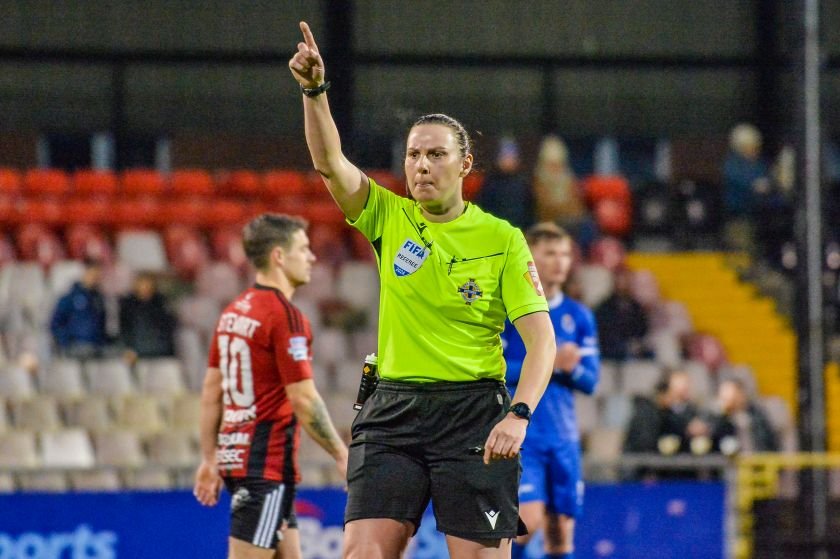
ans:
x=627 y=521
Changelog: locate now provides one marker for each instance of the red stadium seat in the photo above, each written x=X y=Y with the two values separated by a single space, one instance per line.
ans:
x=94 y=182
x=221 y=213
x=8 y=208
x=386 y=178
x=87 y=241
x=46 y=181
x=196 y=182
x=323 y=211
x=361 y=249
x=239 y=183
x=39 y=243
x=328 y=242
x=10 y=181
x=283 y=183
x=142 y=181
x=139 y=212
x=85 y=210
x=193 y=211
x=227 y=246
x=472 y=185
x=47 y=211
x=186 y=250
x=599 y=187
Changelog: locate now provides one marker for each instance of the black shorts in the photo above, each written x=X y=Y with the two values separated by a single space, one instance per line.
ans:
x=415 y=442
x=258 y=509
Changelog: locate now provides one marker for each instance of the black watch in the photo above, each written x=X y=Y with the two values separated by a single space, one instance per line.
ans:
x=315 y=91
x=521 y=410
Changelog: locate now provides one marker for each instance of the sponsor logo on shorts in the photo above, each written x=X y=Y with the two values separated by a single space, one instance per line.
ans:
x=298 y=348
x=492 y=517
x=409 y=258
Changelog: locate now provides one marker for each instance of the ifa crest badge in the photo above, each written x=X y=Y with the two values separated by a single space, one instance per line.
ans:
x=470 y=291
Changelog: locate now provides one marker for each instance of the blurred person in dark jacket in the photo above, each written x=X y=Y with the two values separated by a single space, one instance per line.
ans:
x=147 y=328
x=78 y=321
x=622 y=322
x=740 y=425
x=506 y=192
x=668 y=424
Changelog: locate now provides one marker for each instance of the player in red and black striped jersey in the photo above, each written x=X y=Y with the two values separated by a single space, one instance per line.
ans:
x=257 y=394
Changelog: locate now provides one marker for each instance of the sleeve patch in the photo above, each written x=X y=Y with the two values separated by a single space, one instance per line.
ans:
x=299 y=348
x=534 y=278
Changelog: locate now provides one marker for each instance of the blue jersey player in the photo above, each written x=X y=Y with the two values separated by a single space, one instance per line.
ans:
x=551 y=489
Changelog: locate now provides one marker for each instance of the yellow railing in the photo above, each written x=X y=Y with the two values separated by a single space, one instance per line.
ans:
x=758 y=478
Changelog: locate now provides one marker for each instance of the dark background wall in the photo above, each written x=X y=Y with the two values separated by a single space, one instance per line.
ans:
x=578 y=67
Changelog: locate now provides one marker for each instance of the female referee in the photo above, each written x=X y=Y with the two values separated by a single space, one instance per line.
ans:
x=440 y=424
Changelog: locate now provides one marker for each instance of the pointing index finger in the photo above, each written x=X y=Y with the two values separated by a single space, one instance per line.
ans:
x=307 y=35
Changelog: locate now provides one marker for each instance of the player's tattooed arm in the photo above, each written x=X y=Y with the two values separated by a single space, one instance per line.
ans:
x=321 y=427
x=313 y=416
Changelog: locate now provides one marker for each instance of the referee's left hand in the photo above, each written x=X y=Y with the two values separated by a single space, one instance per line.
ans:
x=505 y=439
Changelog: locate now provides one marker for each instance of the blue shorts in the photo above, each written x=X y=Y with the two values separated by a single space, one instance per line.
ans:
x=552 y=475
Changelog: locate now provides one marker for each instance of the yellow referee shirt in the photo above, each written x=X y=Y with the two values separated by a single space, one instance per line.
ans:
x=446 y=289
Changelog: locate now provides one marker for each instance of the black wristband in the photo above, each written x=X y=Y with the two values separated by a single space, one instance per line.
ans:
x=521 y=410
x=315 y=91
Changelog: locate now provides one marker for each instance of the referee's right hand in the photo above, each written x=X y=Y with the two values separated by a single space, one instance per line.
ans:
x=306 y=65
x=208 y=484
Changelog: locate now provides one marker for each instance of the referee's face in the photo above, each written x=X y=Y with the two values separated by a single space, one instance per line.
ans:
x=434 y=168
x=553 y=258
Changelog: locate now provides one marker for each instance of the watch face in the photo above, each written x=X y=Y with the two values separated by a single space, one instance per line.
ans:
x=521 y=410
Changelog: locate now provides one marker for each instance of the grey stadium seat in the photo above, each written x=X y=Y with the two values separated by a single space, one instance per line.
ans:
x=18 y=449
x=95 y=480
x=118 y=447
x=141 y=250
x=172 y=448
x=38 y=413
x=48 y=481
x=67 y=448
x=160 y=376
x=639 y=377
x=108 y=377
x=142 y=414
x=16 y=382
x=91 y=413
x=149 y=478
x=63 y=377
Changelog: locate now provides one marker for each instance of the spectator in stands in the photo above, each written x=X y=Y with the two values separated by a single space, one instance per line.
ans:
x=745 y=176
x=147 y=327
x=622 y=322
x=740 y=425
x=78 y=321
x=665 y=424
x=505 y=184
x=558 y=195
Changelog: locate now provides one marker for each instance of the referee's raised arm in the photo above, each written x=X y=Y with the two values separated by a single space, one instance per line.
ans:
x=347 y=184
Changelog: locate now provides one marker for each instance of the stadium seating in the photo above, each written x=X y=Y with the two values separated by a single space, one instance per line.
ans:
x=94 y=182
x=66 y=448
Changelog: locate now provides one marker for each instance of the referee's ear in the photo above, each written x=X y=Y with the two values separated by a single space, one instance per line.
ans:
x=466 y=165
